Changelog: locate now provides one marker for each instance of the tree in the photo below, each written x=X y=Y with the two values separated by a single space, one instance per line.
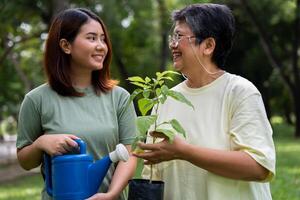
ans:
x=287 y=65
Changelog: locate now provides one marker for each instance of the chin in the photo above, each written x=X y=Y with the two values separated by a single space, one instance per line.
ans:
x=98 y=67
x=177 y=67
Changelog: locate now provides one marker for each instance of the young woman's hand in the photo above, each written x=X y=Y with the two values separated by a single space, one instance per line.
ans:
x=56 y=144
x=102 y=196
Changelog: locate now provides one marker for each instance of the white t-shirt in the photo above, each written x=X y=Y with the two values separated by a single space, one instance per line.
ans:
x=229 y=115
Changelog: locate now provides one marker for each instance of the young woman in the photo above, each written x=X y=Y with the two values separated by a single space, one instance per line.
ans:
x=80 y=100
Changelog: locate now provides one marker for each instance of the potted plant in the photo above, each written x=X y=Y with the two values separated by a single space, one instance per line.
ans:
x=151 y=93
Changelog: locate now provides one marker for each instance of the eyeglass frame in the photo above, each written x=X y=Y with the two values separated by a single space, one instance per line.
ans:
x=175 y=38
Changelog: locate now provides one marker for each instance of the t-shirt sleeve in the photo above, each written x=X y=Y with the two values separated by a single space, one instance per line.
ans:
x=250 y=131
x=126 y=119
x=29 y=123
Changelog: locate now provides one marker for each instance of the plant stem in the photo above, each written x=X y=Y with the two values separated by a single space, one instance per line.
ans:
x=154 y=138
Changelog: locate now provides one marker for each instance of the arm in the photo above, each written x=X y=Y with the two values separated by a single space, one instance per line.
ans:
x=55 y=144
x=230 y=164
x=122 y=174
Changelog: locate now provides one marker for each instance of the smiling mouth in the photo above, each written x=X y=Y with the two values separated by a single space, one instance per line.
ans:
x=98 y=58
x=176 y=56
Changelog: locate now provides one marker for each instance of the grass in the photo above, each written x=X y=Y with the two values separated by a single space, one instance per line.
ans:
x=24 y=188
x=286 y=184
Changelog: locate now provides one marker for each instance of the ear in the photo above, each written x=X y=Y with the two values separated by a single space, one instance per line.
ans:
x=65 y=46
x=209 y=46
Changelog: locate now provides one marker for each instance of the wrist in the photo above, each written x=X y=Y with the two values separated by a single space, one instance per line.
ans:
x=181 y=151
x=112 y=195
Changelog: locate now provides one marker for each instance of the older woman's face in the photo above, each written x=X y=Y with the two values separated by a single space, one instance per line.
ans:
x=180 y=44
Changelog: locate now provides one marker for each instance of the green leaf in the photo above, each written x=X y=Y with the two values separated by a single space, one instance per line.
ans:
x=158 y=75
x=158 y=92
x=133 y=95
x=179 y=97
x=145 y=105
x=167 y=78
x=144 y=123
x=146 y=93
x=164 y=89
x=169 y=72
x=136 y=79
x=147 y=79
x=176 y=125
x=162 y=98
x=140 y=85
x=170 y=134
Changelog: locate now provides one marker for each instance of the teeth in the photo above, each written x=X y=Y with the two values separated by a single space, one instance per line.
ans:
x=176 y=55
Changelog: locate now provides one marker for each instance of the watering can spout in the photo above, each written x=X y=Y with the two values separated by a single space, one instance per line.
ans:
x=98 y=170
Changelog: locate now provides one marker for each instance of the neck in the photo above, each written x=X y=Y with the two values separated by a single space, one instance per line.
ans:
x=81 y=80
x=201 y=78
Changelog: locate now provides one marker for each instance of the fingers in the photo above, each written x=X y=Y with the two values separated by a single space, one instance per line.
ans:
x=58 y=144
x=158 y=135
x=145 y=146
x=149 y=158
x=70 y=141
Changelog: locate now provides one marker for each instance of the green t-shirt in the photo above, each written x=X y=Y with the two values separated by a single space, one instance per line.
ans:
x=101 y=121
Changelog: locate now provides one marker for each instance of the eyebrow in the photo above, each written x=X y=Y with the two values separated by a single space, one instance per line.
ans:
x=95 y=34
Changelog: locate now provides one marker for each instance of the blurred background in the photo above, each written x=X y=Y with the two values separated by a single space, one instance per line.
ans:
x=266 y=51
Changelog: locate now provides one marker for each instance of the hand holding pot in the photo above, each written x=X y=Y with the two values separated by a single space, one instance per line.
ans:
x=162 y=151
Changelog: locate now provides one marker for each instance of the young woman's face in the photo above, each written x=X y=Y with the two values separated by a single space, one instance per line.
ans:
x=89 y=49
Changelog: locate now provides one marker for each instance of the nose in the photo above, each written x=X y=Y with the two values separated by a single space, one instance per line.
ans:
x=173 y=44
x=100 y=45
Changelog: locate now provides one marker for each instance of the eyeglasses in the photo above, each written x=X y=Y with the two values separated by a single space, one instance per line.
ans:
x=175 y=38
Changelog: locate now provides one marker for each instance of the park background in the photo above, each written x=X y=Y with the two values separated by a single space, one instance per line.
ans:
x=266 y=51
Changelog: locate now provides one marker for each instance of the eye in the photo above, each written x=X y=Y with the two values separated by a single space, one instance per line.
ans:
x=102 y=38
x=91 y=38
x=177 y=36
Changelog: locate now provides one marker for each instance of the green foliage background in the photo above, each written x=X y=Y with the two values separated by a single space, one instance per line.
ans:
x=138 y=31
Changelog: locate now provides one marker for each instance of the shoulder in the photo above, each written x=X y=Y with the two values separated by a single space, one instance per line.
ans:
x=119 y=91
x=240 y=86
x=39 y=91
x=119 y=95
x=179 y=87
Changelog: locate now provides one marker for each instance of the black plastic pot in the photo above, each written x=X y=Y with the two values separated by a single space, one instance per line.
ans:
x=143 y=189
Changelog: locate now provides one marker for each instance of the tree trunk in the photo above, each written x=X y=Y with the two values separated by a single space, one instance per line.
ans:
x=297 y=112
x=163 y=16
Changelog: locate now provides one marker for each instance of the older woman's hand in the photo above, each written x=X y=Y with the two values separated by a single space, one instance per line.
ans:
x=161 y=151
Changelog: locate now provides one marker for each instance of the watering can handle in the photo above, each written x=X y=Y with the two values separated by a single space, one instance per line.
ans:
x=82 y=146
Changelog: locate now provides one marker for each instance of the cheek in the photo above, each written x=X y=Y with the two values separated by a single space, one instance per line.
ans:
x=106 y=48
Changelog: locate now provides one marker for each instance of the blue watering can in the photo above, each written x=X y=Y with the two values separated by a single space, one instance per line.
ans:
x=76 y=176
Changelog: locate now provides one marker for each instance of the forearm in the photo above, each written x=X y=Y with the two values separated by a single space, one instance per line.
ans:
x=230 y=164
x=122 y=174
x=29 y=156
